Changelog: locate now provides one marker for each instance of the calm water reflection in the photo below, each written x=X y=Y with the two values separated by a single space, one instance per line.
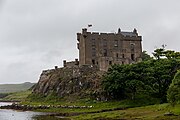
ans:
x=17 y=115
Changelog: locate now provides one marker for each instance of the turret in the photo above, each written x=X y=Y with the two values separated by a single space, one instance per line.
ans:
x=135 y=31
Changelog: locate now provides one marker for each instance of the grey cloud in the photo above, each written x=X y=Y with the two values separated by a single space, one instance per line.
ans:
x=36 y=35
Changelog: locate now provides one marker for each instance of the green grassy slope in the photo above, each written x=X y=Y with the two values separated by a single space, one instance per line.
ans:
x=10 y=88
x=16 y=96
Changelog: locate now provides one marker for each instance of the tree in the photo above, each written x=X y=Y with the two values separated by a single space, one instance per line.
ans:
x=151 y=77
x=133 y=86
x=173 y=93
x=158 y=53
x=114 y=82
x=146 y=56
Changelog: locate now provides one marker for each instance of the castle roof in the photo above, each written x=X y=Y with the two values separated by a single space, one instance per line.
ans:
x=131 y=34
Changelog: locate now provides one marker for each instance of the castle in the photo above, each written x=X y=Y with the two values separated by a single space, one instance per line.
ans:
x=105 y=49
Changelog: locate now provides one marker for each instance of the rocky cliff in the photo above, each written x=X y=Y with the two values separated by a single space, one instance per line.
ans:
x=79 y=81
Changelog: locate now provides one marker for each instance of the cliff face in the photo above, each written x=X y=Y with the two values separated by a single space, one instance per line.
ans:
x=80 y=81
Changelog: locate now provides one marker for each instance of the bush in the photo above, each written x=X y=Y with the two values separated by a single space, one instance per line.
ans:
x=173 y=94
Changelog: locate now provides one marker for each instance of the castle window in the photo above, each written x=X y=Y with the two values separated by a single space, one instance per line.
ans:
x=93 y=51
x=105 y=52
x=93 y=42
x=115 y=43
x=110 y=62
x=122 y=62
x=132 y=47
x=122 y=55
x=93 y=61
x=132 y=57
x=117 y=56
x=105 y=43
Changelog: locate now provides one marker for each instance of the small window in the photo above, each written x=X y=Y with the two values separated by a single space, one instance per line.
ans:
x=122 y=55
x=93 y=42
x=122 y=62
x=132 y=47
x=110 y=62
x=117 y=55
x=115 y=43
x=93 y=51
x=105 y=52
x=105 y=43
x=132 y=57
x=93 y=61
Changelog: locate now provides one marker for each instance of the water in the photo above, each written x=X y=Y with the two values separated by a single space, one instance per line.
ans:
x=17 y=115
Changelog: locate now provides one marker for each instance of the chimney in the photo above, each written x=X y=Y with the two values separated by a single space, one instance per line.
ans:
x=76 y=62
x=84 y=30
x=119 y=30
x=64 y=63
x=56 y=67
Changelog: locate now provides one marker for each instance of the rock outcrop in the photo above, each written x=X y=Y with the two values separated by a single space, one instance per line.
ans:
x=80 y=81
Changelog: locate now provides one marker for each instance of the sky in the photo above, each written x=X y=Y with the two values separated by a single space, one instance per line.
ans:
x=36 y=35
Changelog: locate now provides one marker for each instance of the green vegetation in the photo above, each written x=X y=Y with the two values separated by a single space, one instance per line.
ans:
x=10 y=88
x=173 y=94
x=107 y=110
x=17 y=96
x=153 y=112
x=146 y=56
x=149 y=78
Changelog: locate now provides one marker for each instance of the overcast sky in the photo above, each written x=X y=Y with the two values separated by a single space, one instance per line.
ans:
x=38 y=34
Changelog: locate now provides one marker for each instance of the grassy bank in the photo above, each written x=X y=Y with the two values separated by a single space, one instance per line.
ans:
x=131 y=111
x=144 y=109
x=16 y=96
x=152 y=112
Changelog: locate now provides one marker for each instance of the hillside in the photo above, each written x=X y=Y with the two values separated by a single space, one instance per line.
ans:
x=9 y=88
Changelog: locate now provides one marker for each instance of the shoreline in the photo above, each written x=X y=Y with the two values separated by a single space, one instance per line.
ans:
x=13 y=101
x=60 y=114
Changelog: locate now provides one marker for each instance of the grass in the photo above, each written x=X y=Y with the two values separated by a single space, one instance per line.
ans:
x=152 y=112
x=17 y=96
x=176 y=109
x=144 y=109
x=135 y=109
x=10 y=88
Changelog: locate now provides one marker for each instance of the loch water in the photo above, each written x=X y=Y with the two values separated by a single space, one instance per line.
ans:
x=17 y=115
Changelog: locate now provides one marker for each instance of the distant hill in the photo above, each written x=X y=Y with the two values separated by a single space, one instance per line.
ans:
x=9 y=88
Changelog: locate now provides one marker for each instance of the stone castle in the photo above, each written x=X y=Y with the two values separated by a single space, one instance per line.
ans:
x=97 y=52
x=105 y=49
